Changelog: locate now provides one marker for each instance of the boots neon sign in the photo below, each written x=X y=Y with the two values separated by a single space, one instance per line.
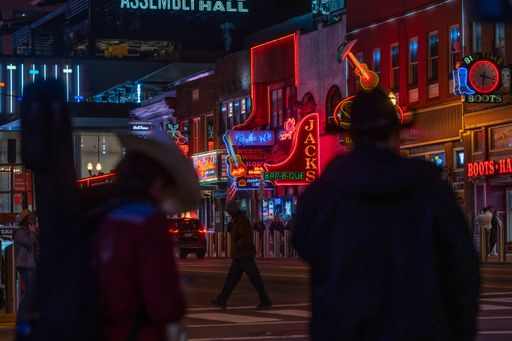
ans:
x=477 y=79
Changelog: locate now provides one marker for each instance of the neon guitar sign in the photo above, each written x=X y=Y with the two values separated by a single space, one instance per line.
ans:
x=236 y=166
x=367 y=78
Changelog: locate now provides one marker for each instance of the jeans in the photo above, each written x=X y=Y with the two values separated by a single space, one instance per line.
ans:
x=238 y=267
x=27 y=276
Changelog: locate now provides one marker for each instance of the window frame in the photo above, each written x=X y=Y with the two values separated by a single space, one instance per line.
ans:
x=413 y=65
x=392 y=69
x=431 y=59
x=451 y=54
x=374 y=64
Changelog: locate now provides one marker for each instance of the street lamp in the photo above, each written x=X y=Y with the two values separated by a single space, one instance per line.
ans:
x=98 y=167
x=392 y=97
x=89 y=168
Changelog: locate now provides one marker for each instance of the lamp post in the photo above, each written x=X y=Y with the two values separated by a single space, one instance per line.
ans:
x=89 y=168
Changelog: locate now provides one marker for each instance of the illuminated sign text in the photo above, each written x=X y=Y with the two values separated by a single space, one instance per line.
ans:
x=229 y=6
x=302 y=166
x=489 y=168
x=252 y=138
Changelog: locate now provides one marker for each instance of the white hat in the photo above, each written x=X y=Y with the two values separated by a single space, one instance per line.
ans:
x=159 y=147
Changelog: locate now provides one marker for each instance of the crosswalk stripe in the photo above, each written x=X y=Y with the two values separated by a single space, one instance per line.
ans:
x=287 y=337
x=218 y=325
x=289 y=312
x=221 y=317
x=251 y=307
x=496 y=293
x=500 y=299
x=486 y=307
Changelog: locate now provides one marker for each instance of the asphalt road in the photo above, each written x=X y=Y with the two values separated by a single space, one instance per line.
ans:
x=287 y=284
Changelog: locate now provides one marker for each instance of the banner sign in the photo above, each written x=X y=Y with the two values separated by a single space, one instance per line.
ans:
x=140 y=127
x=207 y=166
x=489 y=168
x=302 y=166
x=226 y=6
x=254 y=159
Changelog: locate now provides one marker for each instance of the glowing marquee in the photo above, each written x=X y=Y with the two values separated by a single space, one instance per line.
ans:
x=478 y=79
x=489 y=168
x=302 y=166
x=229 y=6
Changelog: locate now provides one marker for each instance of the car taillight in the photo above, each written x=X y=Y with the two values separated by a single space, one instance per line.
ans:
x=203 y=230
x=174 y=231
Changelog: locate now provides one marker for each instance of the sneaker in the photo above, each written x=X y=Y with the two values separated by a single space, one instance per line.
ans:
x=218 y=303
x=264 y=305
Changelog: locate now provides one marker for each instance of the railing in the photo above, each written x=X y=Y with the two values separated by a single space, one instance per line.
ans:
x=268 y=244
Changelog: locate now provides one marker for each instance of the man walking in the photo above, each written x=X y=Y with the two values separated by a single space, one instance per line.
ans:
x=244 y=252
x=390 y=251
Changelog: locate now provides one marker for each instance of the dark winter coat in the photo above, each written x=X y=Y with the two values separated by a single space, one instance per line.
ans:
x=242 y=236
x=390 y=252
x=24 y=241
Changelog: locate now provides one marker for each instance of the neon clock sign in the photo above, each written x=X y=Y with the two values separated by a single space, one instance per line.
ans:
x=478 y=79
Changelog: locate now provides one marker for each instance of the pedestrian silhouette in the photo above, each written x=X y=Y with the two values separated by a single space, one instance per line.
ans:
x=390 y=251
x=244 y=252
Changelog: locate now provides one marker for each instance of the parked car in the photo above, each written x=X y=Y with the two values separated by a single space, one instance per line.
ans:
x=190 y=236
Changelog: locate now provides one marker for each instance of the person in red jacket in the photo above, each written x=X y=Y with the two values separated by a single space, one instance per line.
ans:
x=133 y=255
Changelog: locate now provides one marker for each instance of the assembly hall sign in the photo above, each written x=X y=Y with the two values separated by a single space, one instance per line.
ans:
x=226 y=6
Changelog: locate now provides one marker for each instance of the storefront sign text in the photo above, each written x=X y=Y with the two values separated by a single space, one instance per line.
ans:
x=230 y=6
x=302 y=166
x=207 y=166
x=489 y=168
x=252 y=138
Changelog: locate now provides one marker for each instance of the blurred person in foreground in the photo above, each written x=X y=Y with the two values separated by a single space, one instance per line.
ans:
x=390 y=251
x=133 y=255
x=244 y=252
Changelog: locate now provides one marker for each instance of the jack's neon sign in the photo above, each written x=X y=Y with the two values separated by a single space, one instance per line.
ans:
x=302 y=166
x=230 y=6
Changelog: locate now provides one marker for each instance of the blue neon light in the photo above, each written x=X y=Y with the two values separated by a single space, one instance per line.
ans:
x=139 y=93
x=253 y=138
x=78 y=84
x=44 y=71
x=56 y=71
x=461 y=86
x=22 y=80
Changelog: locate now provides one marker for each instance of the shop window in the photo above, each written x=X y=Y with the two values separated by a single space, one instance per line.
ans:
x=454 y=49
x=477 y=36
x=279 y=99
x=224 y=115
x=413 y=63
x=394 y=72
x=209 y=130
x=433 y=57
x=501 y=138
x=499 y=39
x=459 y=159
x=437 y=159
x=376 y=61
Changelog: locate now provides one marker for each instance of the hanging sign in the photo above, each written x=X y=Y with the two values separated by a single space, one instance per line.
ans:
x=208 y=166
x=229 y=6
x=302 y=166
x=478 y=78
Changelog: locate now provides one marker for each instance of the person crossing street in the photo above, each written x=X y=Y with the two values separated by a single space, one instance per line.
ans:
x=244 y=252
